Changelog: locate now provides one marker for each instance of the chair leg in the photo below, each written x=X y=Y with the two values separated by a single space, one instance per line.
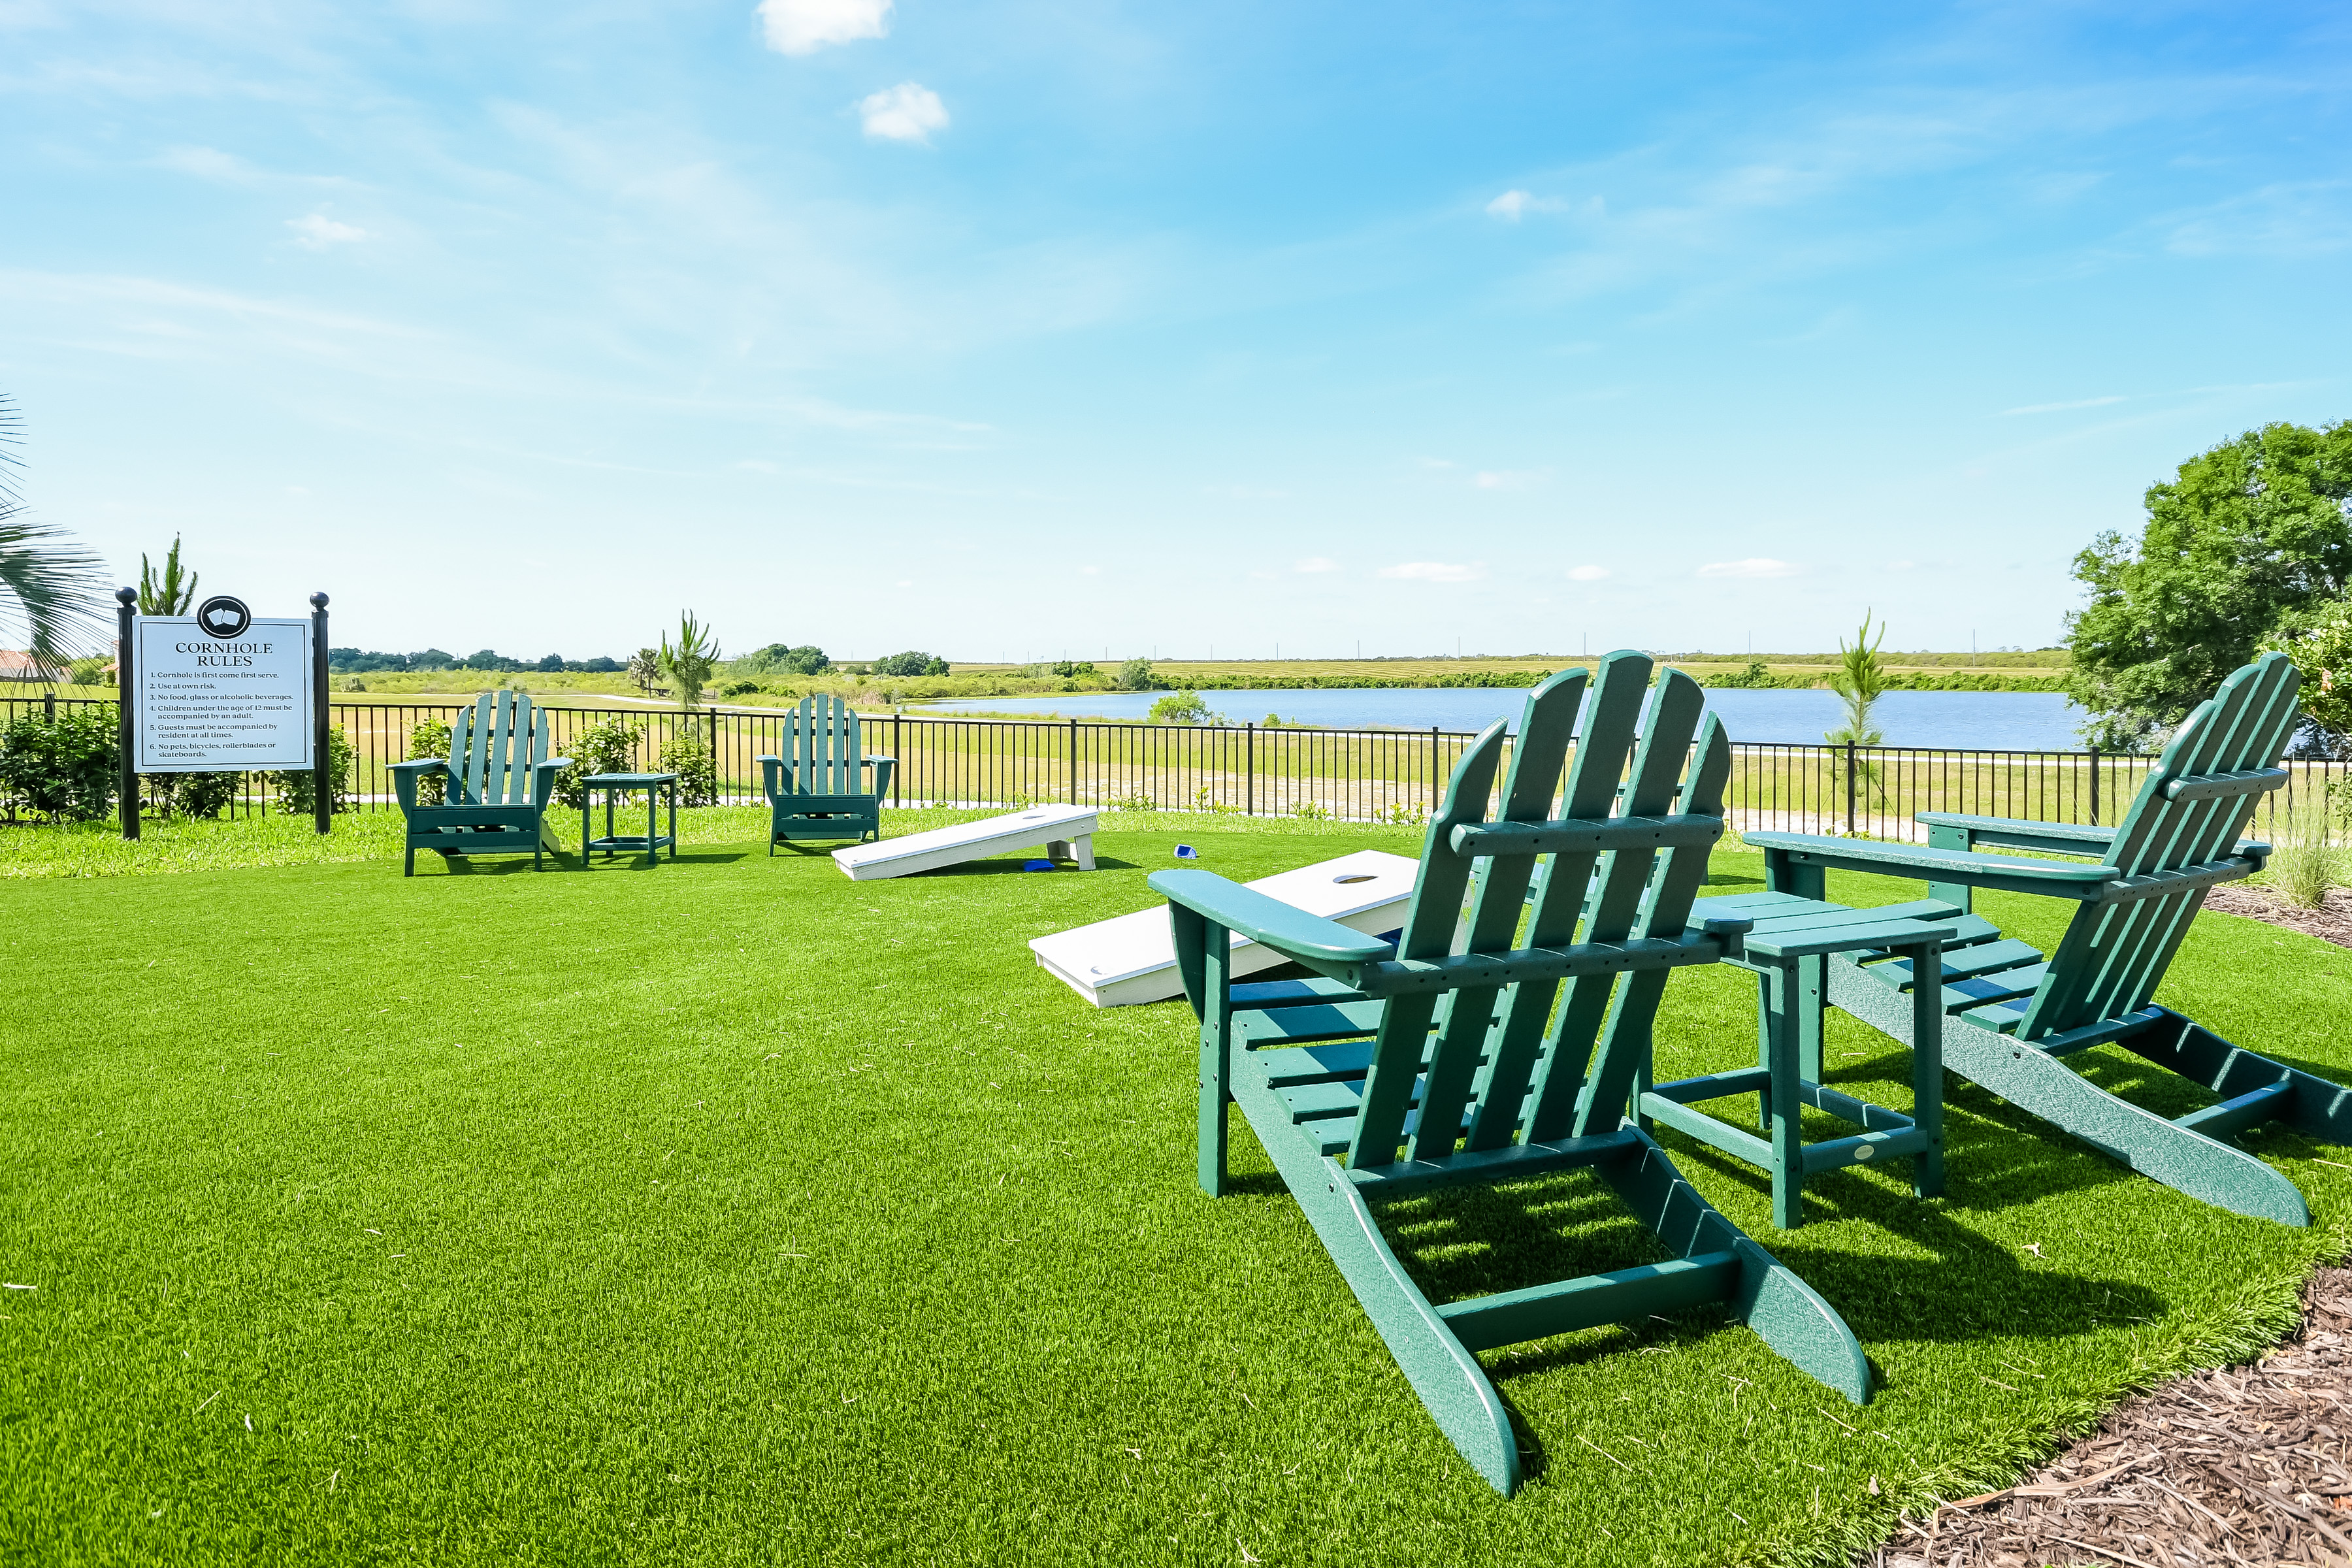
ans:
x=410 y=869
x=1216 y=1128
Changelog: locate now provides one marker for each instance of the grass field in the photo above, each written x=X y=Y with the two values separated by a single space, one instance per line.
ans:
x=734 y=1213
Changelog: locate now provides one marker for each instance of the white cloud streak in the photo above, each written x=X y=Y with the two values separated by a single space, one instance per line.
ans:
x=1436 y=572
x=2062 y=407
x=1754 y=566
x=318 y=231
x=1587 y=574
x=804 y=26
x=907 y=113
x=1315 y=563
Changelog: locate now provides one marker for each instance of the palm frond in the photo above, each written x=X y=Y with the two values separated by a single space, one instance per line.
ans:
x=52 y=591
x=12 y=435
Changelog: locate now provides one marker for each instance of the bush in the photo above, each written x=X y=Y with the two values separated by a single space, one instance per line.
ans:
x=63 y=768
x=697 y=777
x=1136 y=675
x=200 y=795
x=297 y=787
x=912 y=663
x=610 y=747
x=739 y=688
x=1314 y=811
x=1184 y=708
x=89 y=672
x=430 y=739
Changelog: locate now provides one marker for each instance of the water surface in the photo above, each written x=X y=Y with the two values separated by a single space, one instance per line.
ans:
x=1960 y=720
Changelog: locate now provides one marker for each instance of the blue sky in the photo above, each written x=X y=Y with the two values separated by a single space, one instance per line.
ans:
x=1017 y=330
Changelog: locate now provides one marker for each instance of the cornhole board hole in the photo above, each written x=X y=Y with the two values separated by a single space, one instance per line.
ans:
x=1131 y=959
x=1066 y=832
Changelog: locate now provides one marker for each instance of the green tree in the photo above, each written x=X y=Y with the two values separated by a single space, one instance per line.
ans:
x=51 y=591
x=2322 y=651
x=1860 y=680
x=689 y=661
x=169 y=592
x=1184 y=708
x=1137 y=675
x=644 y=667
x=2248 y=541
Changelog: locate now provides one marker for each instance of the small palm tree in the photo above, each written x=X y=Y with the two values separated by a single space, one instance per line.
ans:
x=690 y=661
x=1861 y=679
x=52 y=591
x=167 y=593
x=644 y=667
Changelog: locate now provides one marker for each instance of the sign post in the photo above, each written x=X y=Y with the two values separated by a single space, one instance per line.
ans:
x=125 y=694
x=223 y=691
x=322 y=787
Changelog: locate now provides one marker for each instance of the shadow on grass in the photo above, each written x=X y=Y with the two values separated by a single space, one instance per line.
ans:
x=509 y=863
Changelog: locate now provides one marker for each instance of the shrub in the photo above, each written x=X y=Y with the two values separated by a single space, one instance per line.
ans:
x=610 y=747
x=2303 y=868
x=1314 y=811
x=1407 y=814
x=1137 y=802
x=430 y=739
x=1136 y=675
x=87 y=671
x=201 y=794
x=62 y=768
x=697 y=777
x=739 y=687
x=296 y=787
x=912 y=663
x=1184 y=708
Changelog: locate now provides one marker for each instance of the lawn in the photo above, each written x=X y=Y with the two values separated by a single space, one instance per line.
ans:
x=733 y=1212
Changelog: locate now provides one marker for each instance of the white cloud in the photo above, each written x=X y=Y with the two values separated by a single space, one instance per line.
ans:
x=907 y=113
x=1090 y=570
x=804 y=26
x=1754 y=566
x=1508 y=478
x=1315 y=563
x=2062 y=407
x=319 y=231
x=1436 y=572
x=1587 y=574
x=1513 y=206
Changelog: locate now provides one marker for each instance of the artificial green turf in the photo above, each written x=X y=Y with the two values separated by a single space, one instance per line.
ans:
x=733 y=1212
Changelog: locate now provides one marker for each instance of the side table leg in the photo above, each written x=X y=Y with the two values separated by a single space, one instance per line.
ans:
x=1787 y=1142
x=673 y=823
x=1927 y=1067
x=1813 y=1010
x=587 y=817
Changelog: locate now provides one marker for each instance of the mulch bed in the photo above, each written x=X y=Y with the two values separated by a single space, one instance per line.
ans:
x=2332 y=921
x=2247 y=1465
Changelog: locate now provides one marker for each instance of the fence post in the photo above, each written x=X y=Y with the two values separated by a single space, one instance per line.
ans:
x=125 y=736
x=897 y=751
x=322 y=751
x=1249 y=769
x=1073 y=762
x=49 y=706
x=1849 y=789
x=1433 y=770
x=2095 y=786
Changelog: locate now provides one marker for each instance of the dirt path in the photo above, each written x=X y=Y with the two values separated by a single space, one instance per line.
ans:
x=2247 y=1465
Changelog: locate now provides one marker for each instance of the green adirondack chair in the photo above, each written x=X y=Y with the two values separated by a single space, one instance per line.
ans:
x=2011 y=1017
x=818 y=789
x=1450 y=1046
x=500 y=782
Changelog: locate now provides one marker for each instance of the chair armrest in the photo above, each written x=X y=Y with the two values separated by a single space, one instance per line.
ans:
x=884 y=768
x=1267 y=921
x=773 y=771
x=405 y=774
x=2021 y=833
x=1999 y=872
x=543 y=779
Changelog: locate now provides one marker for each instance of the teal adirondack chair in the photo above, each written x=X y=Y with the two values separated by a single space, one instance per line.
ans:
x=500 y=782
x=817 y=788
x=1443 y=1060
x=2011 y=1017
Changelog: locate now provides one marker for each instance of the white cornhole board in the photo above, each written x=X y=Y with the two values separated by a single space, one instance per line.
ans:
x=1066 y=832
x=1119 y=962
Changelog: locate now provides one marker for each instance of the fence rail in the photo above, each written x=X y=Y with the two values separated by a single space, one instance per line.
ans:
x=1284 y=771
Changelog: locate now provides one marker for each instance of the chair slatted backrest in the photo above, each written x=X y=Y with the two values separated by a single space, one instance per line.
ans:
x=2113 y=955
x=821 y=747
x=1536 y=1059
x=493 y=748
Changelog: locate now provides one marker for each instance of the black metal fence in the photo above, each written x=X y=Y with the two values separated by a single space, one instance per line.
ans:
x=1387 y=775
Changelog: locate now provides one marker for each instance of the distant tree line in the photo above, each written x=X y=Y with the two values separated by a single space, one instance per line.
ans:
x=351 y=661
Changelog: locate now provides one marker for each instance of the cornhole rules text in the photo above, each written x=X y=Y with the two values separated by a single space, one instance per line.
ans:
x=221 y=691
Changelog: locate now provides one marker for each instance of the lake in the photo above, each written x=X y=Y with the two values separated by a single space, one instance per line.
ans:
x=1959 y=721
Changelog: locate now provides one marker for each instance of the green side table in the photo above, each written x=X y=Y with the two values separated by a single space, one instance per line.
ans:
x=1788 y=947
x=653 y=785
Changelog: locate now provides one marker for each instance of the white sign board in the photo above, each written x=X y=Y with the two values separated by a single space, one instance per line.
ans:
x=221 y=704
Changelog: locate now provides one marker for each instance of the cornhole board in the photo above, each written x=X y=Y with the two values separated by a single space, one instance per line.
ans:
x=1132 y=958
x=1066 y=832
